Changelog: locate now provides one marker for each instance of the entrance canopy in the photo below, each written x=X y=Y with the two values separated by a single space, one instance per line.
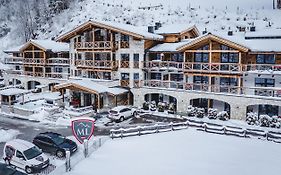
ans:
x=90 y=87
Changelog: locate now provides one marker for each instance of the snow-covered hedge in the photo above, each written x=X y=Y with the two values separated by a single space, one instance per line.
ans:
x=263 y=120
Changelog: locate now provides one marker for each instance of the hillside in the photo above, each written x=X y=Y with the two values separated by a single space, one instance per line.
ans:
x=41 y=19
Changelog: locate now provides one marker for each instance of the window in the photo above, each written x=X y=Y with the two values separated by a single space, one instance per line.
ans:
x=264 y=82
x=125 y=57
x=224 y=47
x=125 y=37
x=178 y=57
x=176 y=77
x=125 y=76
x=228 y=81
x=155 y=76
x=136 y=57
x=136 y=76
x=265 y=59
x=268 y=110
x=201 y=57
x=229 y=57
x=19 y=155
x=58 y=69
x=201 y=79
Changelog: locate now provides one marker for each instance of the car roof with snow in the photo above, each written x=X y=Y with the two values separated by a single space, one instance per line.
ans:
x=20 y=145
x=118 y=108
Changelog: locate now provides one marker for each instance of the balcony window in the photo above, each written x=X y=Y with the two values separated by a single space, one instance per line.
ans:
x=176 y=77
x=136 y=76
x=155 y=76
x=201 y=79
x=264 y=82
x=136 y=57
x=125 y=57
x=58 y=69
x=265 y=59
x=125 y=76
x=229 y=58
x=201 y=57
x=178 y=57
x=224 y=47
x=226 y=81
x=125 y=37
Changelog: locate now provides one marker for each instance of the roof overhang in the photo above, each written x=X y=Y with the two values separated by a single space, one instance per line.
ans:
x=26 y=45
x=89 y=24
x=213 y=37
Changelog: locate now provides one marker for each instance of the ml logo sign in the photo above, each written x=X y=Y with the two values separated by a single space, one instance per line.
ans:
x=82 y=129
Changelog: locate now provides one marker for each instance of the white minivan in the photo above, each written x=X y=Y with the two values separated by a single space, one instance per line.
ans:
x=25 y=155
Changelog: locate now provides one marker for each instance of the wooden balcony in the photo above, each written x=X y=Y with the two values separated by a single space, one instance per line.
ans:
x=13 y=60
x=97 y=45
x=58 y=61
x=57 y=75
x=34 y=61
x=137 y=83
x=124 y=64
x=101 y=64
x=124 y=44
x=262 y=67
x=236 y=90
x=34 y=74
x=163 y=65
x=230 y=68
x=125 y=83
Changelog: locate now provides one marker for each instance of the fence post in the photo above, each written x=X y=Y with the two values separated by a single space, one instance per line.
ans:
x=99 y=142
x=266 y=136
x=205 y=127
x=67 y=161
x=121 y=133
x=245 y=132
x=172 y=126
x=111 y=134
x=157 y=128
x=224 y=130
x=139 y=130
x=86 y=148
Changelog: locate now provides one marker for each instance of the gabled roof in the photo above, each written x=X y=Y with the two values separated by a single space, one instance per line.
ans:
x=219 y=39
x=14 y=49
x=47 y=45
x=169 y=47
x=127 y=29
x=177 y=29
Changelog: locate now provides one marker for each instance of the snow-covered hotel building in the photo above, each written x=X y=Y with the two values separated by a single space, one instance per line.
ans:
x=111 y=63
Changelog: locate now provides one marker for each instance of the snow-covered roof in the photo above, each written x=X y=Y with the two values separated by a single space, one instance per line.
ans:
x=255 y=45
x=169 y=47
x=175 y=28
x=48 y=45
x=92 y=86
x=14 y=49
x=4 y=66
x=123 y=28
x=12 y=91
x=264 y=33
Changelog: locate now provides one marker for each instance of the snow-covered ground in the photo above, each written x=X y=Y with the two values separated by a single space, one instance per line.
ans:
x=6 y=135
x=183 y=152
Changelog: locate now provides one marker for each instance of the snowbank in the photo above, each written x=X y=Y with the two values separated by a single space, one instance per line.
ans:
x=183 y=152
x=7 y=135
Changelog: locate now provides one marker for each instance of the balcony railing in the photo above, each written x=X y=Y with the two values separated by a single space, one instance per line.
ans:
x=97 y=64
x=13 y=60
x=124 y=64
x=34 y=74
x=213 y=67
x=107 y=45
x=34 y=61
x=262 y=67
x=137 y=83
x=58 y=61
x=125 y=83
x=57 y=75
x=265 y=92
x=124 y=44
x=163 y=65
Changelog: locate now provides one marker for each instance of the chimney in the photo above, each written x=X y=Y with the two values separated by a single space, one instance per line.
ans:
x=150 y=29
x=205 y=31
x=157 y=25
x=252 y=28
x=230 y=33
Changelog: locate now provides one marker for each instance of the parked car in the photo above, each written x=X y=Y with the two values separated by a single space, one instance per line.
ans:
x=120 y=113
x=8 y=170
x=25 y=155
x=55 y=143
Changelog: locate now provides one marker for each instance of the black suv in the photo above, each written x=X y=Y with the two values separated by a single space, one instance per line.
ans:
x=7 y=170
x=55 y=144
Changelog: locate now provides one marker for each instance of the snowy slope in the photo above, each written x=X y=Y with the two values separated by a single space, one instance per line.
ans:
x=214 y=15
x=183 y=152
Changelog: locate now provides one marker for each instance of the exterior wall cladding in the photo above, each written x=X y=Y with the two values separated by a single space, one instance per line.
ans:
x=182 y=80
